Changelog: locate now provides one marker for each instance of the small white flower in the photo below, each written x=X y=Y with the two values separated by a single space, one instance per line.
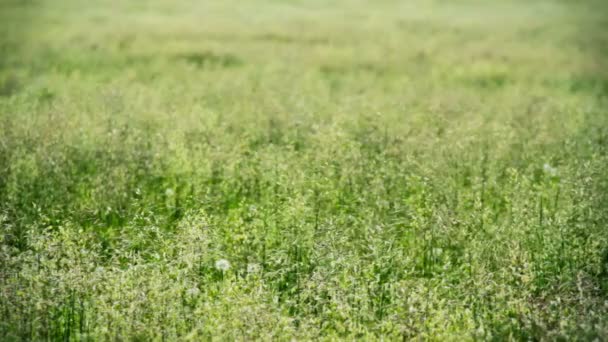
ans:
x=222 y=265
x=253 y=268
x=193 y=292
x=169 y=192
x=550 y=170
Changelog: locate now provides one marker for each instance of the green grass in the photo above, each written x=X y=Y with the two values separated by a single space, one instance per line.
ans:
x=427 y=170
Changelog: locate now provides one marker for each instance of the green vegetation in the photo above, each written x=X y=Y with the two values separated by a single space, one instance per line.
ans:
x=239 y=170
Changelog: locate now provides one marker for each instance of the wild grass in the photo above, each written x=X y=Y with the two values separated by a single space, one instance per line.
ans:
x=278 y=170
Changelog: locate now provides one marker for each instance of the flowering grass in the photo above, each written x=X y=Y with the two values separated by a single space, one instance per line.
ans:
x=309 y=170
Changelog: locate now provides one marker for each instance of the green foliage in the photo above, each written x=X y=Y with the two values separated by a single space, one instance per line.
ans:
x=279 y=170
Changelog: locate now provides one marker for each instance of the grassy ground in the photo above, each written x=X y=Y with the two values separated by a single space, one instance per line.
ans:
x=428 y=170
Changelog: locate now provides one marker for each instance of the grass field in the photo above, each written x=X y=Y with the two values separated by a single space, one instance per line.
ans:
x=308 y=170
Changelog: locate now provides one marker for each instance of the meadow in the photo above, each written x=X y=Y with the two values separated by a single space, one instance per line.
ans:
x=303 y=170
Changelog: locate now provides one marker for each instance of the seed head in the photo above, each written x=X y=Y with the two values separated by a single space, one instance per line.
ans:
x=253 y=268
x=222 y=265
x=550 y=170
x=193 y=291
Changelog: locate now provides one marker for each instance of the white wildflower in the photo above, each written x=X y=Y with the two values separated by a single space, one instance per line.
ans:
x=222 y=265
x=253 y=268
x=193 y=292
x=169 y=192
x=550 y=170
